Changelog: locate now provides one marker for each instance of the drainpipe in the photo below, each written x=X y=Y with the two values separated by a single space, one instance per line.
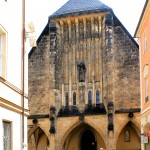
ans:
x=22 y=67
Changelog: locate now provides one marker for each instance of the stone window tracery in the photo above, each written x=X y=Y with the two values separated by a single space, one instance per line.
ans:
x=96 y=28
x=97 y=97
x=81 y=30
x=73 y=33
x=88 y=29
x=89 y=98
x=66 y=99
x=74 y=98
x=66 y=32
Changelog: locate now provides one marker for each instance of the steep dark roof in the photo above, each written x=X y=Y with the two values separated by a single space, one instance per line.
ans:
x=78 y=7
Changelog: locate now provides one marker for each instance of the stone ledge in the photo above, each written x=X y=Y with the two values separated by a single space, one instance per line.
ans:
x=127 y=110
x=38 y=116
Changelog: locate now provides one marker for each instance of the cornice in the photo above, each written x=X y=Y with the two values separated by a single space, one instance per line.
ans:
x=13 y=87
x=13 y=107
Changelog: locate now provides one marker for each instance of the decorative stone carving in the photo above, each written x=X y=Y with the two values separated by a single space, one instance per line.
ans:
x=66 y=87
x=81 y=72
x=81 y=30
x=97 y=85
x=52 y=119
x=89 y=85
x=74 y=86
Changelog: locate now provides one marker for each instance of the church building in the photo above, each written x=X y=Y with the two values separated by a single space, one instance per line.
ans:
x=84 y=82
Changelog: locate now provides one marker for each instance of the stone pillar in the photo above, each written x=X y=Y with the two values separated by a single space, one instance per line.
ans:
x=84 y=24
x=52 y=142
x=52 y=58
x=63 y=95
x=69 y=26
x=100 y=53
x=77 y=29
x=110 y=83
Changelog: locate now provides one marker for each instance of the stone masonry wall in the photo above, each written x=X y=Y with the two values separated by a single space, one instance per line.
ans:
x=126 y=71
x=39 y=78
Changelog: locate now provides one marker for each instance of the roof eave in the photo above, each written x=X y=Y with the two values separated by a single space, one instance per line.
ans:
x=140 y=20
x=73 y=14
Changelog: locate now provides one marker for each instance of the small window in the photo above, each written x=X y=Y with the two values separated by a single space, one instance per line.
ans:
x=145 y=41
x=6 y=135
x=97 y=98
x=74 y=99
x=67 y=99
x=2 y=52
x=127 y=136
x=90 y=98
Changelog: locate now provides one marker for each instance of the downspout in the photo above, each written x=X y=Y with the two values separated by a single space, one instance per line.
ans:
x=22 y=67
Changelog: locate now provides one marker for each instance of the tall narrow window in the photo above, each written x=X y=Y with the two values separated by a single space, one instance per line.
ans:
x=2 y=52
x=146 y=86
x=67 y=99
x=74 y=99
x=145 y=41
x=6 y=135
x=97 y=98
x=146 y=89
x=90 y=98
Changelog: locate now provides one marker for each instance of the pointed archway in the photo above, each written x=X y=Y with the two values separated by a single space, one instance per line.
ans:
x=37 y=139
x=129 y=138
x=83 y=137
x=88 y=141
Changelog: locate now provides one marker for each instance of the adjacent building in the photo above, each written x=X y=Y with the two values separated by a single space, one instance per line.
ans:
x=13 y=79
x=84 y=82
x=143 y=35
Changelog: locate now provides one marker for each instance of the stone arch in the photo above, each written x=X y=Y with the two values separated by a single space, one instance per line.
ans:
x=78 y=125
x=137 y=125
x=37 y=138
x=134 y=135
x=30 y=131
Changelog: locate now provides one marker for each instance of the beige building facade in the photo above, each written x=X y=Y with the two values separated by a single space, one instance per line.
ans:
x=84 y=82
x=13 y=80
x=143 y=35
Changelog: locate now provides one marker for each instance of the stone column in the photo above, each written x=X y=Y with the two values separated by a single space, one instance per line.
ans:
x=84 y=24
x=110 y=82
x=69 y=25
x=52 y=142
x=77 y=29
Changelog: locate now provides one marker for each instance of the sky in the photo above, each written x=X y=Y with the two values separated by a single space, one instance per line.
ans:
x=127 y=11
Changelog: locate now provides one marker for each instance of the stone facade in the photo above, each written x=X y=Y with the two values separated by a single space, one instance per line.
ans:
x=84 y=74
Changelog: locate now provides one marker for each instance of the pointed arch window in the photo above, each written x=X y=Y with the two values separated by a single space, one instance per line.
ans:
x=97 y=98
x=89 y=98
x=74 y=98
x=67 y=99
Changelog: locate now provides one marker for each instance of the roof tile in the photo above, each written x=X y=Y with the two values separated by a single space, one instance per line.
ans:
x=73 y=7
